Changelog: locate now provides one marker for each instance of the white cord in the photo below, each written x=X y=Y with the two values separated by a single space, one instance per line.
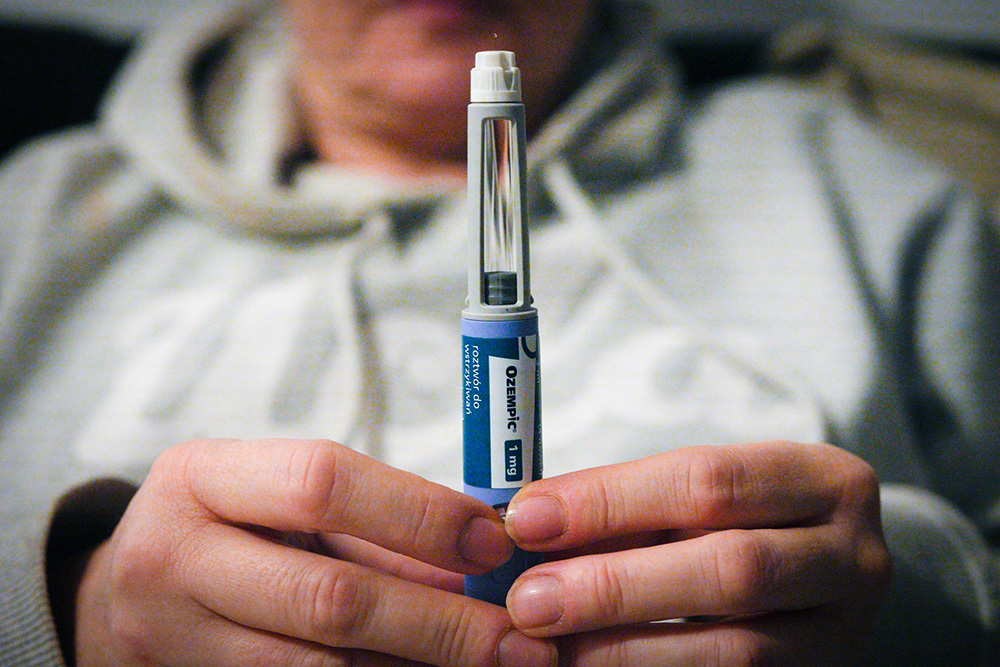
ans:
x=579 y=212
x=576 y=206
x=362 y=411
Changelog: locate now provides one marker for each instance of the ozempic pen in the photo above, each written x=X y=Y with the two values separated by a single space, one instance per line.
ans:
x=502 y=425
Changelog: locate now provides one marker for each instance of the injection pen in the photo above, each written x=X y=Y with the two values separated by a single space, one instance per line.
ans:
x=501 y=389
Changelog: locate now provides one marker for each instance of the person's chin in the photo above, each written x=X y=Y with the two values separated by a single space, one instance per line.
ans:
x=432 y=44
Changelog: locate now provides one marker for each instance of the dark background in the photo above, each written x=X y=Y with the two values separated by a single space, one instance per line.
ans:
x=54 y=77
x=51 y=78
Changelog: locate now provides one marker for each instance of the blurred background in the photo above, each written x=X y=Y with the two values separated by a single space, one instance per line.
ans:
x=122 y=18
x=56 y=56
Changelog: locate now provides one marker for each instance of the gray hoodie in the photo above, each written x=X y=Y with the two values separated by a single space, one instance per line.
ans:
x=167 y=276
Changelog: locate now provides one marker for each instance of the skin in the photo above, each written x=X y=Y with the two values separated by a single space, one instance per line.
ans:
x=307 y=553
x=773 y=552
x=295 y=553
x=396 y=100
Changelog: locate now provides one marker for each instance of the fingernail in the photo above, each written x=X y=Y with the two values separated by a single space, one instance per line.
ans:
x=535 y=519
x=517 y=650
x=485 y=543
x=536 y=602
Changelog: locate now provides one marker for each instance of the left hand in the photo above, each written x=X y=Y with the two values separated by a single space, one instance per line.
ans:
x=772 y=553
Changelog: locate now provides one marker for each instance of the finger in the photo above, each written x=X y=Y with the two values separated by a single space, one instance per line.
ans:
x=322 y=486
x=356 y=550
x=233 y=645
x=714 y=487
x=797 y=638
x=347 y=547
x=257 y=583
x=725 y=573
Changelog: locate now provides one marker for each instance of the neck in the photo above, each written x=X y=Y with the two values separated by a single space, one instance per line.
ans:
x=352 y=129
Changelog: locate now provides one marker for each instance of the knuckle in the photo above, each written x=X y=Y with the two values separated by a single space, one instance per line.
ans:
x=174 y=462
x=619 y=652
x=881 y=565
x=421 y=525
x=600 y=498
x=130 y=633
x=743 y=647
x=140 y=559
x=609 y=588
x=710 y=482
x=451 y=636
x=607 y=649
x=860 y=486
x=875 y=563
x=312 y=657
x=174 y=472
x=316 y=481
x=333 y=602
x=602 y=507
x=860 y=496
x=747 y=570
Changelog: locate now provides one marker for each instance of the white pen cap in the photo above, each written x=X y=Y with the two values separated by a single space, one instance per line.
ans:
x=495 y=78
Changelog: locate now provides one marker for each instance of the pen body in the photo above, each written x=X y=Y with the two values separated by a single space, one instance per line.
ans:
x=501 y=388
x=502 y=428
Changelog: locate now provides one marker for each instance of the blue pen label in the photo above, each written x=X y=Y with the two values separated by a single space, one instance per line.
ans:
x=500 y=388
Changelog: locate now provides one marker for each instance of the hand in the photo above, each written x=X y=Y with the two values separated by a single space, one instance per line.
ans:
x=770 y=553
x=202 y=570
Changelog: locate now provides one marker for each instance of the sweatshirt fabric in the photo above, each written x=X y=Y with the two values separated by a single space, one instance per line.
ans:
x=764 y=264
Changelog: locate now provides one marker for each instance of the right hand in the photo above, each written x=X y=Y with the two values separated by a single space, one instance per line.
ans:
x=200 y=570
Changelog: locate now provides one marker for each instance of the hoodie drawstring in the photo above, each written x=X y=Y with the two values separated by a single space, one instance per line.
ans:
x=363 y=412
x=578 y=210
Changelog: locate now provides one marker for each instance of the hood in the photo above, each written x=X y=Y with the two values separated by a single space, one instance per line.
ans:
x=204 y=108
x=965 y=22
